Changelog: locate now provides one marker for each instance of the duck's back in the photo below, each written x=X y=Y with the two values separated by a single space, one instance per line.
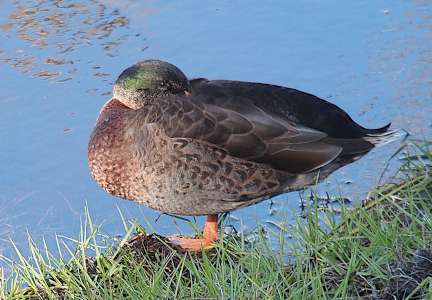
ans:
x=303 y=108
x=318 y=131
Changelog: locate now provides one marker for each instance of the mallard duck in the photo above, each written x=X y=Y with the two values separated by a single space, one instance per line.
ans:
x=205 y=147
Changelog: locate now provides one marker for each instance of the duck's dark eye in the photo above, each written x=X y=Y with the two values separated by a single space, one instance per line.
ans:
x=163 y=86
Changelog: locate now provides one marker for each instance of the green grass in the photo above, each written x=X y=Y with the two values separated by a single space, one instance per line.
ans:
x=381 y=250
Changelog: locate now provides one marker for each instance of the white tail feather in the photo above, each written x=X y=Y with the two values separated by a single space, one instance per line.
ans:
x=380 y=139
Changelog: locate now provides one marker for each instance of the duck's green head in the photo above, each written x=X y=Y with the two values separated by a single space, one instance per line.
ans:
x=148 y=81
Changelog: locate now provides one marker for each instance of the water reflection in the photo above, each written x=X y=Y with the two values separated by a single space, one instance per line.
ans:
x=61 y=26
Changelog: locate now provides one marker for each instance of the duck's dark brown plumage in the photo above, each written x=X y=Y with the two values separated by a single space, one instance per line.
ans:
x=203 y=147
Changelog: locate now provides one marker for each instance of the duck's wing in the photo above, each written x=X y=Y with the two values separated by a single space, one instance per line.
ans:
x=245 y=131
x=303 y=108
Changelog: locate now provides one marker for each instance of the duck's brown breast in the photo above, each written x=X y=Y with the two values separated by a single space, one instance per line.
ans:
x=109 y=151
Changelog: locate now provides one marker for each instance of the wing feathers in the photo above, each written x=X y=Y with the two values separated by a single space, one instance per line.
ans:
x=246 y=131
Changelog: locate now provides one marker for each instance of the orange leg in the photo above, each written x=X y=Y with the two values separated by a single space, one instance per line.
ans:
x=210 y=234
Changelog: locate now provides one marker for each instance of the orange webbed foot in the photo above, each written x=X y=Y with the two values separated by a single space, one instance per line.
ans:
x=210 y=234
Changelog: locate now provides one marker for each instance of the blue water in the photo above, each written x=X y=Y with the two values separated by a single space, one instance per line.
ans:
x=60 y=58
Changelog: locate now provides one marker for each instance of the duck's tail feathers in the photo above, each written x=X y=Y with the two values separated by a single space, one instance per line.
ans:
x=383 y=129
x=382 y=138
